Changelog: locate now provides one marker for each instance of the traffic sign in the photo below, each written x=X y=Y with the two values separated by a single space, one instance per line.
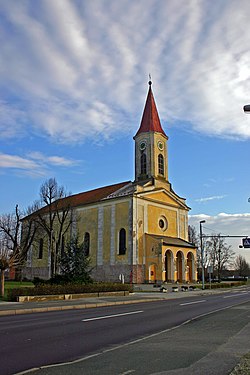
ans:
x=210 y=269
x=246 y=243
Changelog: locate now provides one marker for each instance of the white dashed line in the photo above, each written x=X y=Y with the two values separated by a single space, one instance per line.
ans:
x=192 y=303
x=111 y=316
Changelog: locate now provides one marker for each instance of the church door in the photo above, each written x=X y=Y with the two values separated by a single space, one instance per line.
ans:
x=152 y=273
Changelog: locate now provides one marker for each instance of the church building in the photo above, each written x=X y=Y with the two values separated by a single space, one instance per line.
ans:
x=137 y=229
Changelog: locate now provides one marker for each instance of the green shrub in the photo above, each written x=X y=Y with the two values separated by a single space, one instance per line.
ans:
x=74 y=264
x=37 y=281
x=225 y=285
x=70 y=288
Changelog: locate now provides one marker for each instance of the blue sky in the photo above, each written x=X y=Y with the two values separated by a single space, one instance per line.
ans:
x=73 y=84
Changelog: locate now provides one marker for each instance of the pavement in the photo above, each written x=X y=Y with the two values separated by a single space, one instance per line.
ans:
x=225 y=355
x=213 y=345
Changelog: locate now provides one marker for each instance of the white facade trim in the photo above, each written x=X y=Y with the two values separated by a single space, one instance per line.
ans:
x=130 y=231
x=135 y=231
x=100 y=236
x=112 y=235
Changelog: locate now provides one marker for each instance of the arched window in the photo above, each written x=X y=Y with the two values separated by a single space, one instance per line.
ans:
x=86 y=243
x=161 y=164
x=40 y=251
x=143 y=164
x=122 y=241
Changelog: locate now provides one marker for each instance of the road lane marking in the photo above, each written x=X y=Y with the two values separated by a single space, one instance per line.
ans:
x=112 y=316
x=242 y=291
x=234 y=295
x=192 y=303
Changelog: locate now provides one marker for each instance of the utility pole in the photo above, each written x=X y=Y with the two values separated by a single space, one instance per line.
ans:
x=202 y=256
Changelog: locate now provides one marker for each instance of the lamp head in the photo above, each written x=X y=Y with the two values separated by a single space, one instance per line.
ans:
x=246 y=108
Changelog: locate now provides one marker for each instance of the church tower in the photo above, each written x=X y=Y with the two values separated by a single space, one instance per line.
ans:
x=151 y=156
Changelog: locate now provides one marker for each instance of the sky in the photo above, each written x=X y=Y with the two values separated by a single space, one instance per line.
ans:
x=73 y=84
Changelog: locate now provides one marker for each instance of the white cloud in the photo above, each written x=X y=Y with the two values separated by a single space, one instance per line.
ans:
x=53 y=160
x=71 y=72
x=14 y=161
x=35 y=164
x=11 y=120
x=205 y=199
x=236 y=223
x=60 y=161
x=228 y=225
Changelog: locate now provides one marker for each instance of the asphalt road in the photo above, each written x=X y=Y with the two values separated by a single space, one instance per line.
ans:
x=36 y=340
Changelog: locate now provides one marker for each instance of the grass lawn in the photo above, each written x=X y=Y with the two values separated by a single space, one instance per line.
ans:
x=15 y=284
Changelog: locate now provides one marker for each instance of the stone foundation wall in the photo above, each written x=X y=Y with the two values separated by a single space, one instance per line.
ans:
x=31 y=272
x=139 y=274
x=132 y=274
x=112 y=273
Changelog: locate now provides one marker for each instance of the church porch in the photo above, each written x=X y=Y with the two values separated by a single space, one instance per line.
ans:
x=170 y=260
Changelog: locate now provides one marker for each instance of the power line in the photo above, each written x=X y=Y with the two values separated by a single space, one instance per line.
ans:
x=222 y=236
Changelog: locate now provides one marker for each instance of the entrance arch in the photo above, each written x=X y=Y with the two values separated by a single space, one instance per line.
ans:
x=180 y=266
x=190 y=265
x=169 y=266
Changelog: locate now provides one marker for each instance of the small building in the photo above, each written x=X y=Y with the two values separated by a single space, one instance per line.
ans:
x=138 y=229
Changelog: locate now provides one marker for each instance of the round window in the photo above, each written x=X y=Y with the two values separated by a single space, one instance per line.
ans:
x=163 y=223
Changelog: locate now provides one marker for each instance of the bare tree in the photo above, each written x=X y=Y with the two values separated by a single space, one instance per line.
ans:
x=13 y=250
x=54 y=218
x=241 y=266
x=4 y=263
x=193 y=236
x=219 y=254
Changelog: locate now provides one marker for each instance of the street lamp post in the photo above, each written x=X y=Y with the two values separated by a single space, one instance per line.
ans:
x=202 y=256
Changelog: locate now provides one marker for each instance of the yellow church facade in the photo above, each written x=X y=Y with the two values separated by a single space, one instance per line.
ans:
x=134 y=230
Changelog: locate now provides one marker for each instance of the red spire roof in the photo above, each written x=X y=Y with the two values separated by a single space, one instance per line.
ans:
x=150 y=119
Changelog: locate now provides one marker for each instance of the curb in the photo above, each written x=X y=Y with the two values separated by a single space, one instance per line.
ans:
x=63 y=297
x=73 y=307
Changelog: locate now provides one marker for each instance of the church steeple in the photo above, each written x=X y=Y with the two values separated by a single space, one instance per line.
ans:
x=150 y=144
x=150 y=121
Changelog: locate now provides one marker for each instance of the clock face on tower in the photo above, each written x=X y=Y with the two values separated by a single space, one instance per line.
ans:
x=143 y=145
x=160 y=145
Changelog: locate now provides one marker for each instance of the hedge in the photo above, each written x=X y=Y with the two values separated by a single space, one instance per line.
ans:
x=224 y=285
x=46 y=289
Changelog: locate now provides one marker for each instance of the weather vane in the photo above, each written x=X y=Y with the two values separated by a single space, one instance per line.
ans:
x=150 y=81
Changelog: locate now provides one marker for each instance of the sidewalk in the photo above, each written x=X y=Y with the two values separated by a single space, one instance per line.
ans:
x=143 y=293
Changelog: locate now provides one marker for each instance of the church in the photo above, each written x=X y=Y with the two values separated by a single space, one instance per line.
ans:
x=134 y=230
